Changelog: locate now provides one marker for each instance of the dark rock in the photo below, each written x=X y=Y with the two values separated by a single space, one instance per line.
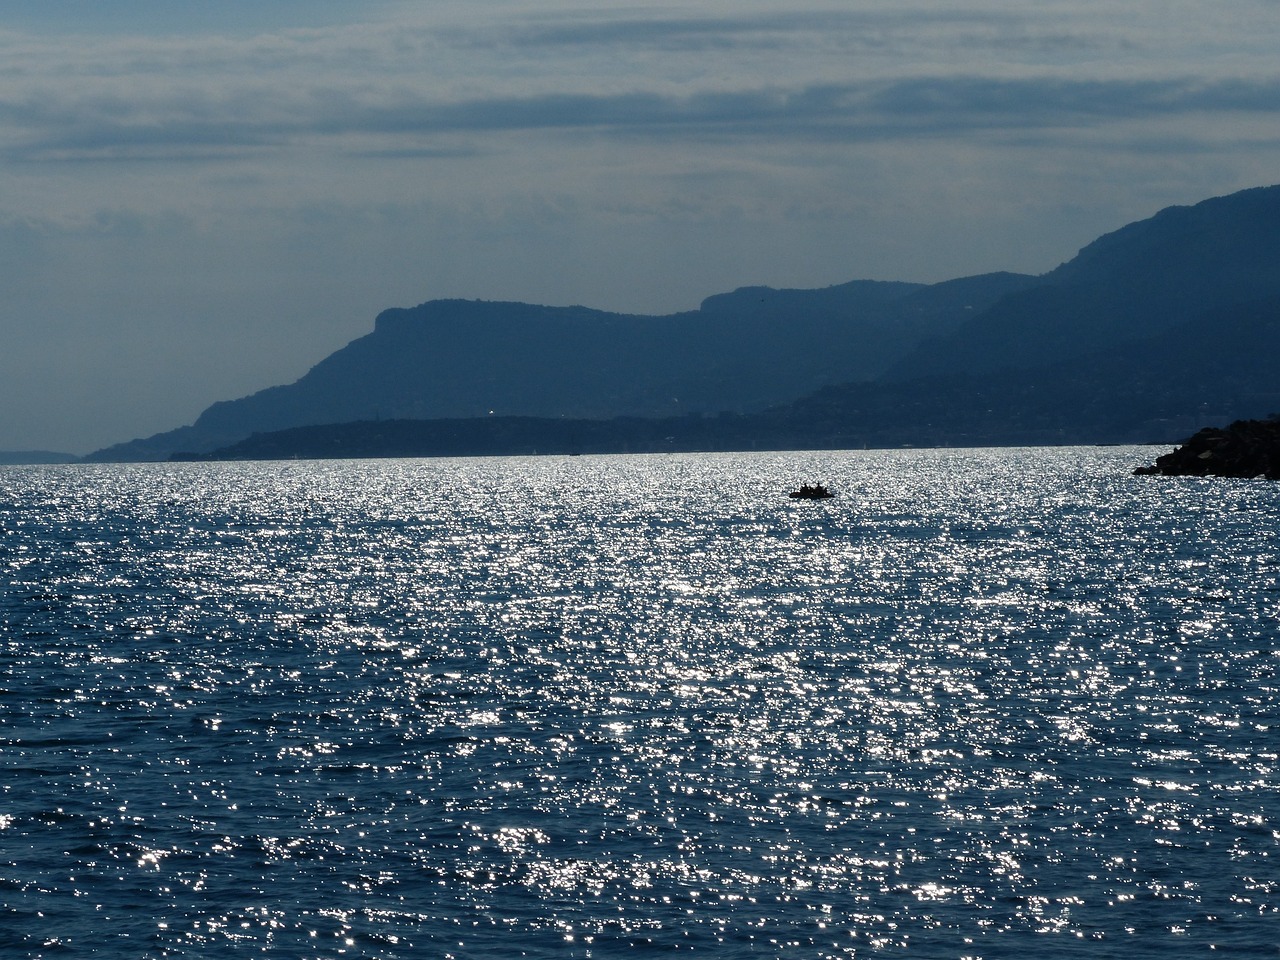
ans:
x=1245 y=449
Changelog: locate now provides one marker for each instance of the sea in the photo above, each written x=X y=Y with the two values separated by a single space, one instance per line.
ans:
x=982 y=703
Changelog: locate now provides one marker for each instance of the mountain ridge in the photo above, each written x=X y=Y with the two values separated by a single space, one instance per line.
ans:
x=1139 y=280
x=739 y=352
x=981 y=359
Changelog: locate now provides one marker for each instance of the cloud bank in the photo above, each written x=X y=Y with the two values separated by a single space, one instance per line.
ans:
x=195 y=206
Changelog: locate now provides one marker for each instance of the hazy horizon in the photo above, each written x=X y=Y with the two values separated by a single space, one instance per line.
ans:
x=200 y=202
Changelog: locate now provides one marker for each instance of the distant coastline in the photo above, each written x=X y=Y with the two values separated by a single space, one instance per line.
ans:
x=535 y=436
x=1147 y=335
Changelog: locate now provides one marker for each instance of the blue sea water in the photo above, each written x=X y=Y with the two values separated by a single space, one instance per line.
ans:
x=983 y=703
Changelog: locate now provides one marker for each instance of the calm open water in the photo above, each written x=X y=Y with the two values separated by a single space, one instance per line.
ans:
x=983 y=704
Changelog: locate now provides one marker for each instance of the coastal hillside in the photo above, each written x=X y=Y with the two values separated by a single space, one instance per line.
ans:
x=1216 y=368
x=1147 y=334
x=1138 y=282
x=739 y=352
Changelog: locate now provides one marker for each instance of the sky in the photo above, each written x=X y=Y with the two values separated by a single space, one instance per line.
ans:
x=200 y=200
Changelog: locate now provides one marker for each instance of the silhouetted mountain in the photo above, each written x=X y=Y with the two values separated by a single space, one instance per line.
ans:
x=1147 y=334
x=739 y=352
x=1216 y=367
x=1129 y=285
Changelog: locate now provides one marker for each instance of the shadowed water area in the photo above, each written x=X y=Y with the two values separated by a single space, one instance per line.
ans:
x=981 y=703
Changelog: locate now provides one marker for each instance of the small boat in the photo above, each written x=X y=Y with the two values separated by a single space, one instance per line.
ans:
x=811 y=492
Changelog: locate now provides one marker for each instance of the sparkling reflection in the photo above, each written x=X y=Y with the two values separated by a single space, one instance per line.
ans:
x=981 y=702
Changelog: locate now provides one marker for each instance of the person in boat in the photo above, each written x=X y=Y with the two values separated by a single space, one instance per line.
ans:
x=811 y=492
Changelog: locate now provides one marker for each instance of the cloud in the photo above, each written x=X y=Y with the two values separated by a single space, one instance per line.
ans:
x=185 y=127
x=832 y=73
x=417 y=86
x=855 y=28
x=173 y=187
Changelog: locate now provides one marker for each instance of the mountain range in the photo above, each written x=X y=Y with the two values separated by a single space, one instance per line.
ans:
x=1146 y=334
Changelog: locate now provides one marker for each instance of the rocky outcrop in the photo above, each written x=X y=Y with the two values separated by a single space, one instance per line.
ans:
x=1245 y=449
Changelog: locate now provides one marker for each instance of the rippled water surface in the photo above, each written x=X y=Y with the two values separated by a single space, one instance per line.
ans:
x=981 y=704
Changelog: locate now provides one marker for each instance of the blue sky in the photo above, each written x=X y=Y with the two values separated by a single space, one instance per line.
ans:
x=201 y=200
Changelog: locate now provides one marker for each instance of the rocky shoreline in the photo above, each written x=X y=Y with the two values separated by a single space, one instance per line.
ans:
x=1245 y=449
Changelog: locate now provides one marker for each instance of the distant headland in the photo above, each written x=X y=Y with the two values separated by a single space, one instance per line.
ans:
x=1148 y=334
